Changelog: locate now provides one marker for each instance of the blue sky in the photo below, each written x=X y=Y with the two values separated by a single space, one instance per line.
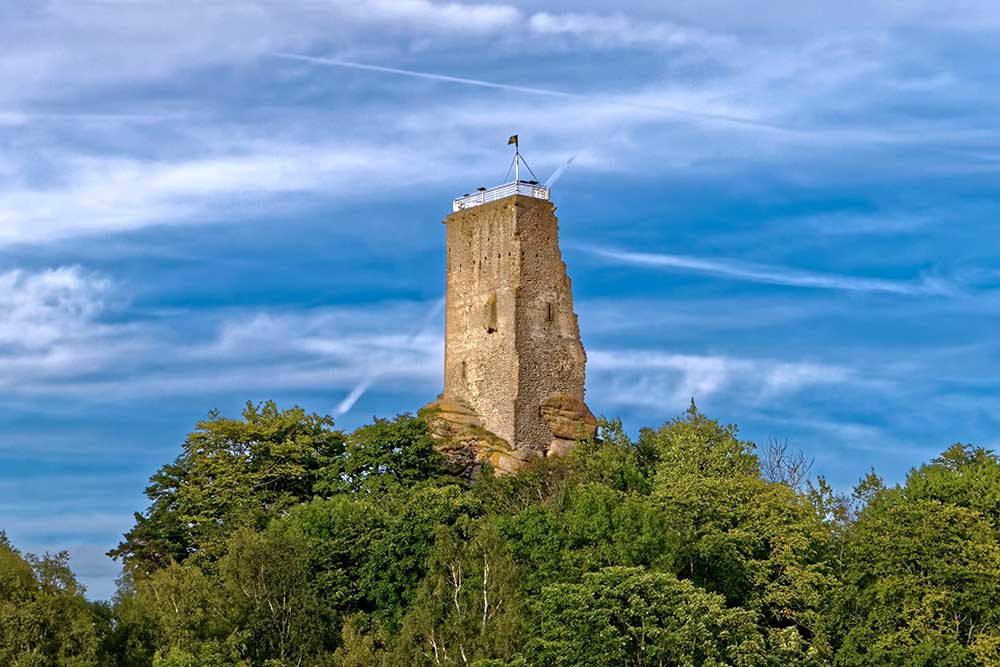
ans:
x=786 y=210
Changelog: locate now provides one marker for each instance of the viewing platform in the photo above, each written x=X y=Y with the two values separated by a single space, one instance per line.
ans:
x=486 y=195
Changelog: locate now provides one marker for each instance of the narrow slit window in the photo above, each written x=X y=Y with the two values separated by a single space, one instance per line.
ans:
x=548 y=312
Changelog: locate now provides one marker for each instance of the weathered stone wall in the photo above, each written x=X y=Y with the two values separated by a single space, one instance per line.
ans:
x=551 y=359
x=511 y=336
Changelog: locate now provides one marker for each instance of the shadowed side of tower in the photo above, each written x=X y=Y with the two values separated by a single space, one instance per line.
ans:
x=551 y=359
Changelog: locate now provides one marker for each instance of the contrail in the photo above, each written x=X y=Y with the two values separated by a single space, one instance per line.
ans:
x=664 y=109
x=774 y=275
x=363 y=386
x=559 y=172
x=675 y=111
x=353 y=397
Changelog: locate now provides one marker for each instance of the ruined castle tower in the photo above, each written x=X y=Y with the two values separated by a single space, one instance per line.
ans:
x=514 y=363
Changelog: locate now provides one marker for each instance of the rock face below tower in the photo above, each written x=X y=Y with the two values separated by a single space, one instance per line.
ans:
x=514 y=363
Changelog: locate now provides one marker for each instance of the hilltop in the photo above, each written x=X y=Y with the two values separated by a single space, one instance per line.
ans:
x=274 y=539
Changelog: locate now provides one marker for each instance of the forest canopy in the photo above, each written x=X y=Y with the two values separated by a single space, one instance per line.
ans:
x=276 y=540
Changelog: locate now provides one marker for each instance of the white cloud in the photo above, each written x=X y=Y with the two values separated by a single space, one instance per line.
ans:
x=62 y=335
x=875 y=223
x=64 y=46
x=99 y=194
x=774 y=275
x=813 y=16
x=618 y=30
x=206 y=173
x=441 y=17
x=755 y=103
x=642 y=103
x=68 y=47
x=13 y=118
x=71 y=346
x=52 y=327
x=40 y=308
x=663 y=381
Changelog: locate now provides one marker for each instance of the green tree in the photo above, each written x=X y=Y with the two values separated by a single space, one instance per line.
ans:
x=756 y=543
x=45 y=621
x=384 y=455
x=693 y=444
x=369 y=553
x=468 y=606
x=760 y=544
x=267 y=585
x=398 y=560
x=921 y=586
x=622 y=616
x=595 y=526
x=232 y=473
x=365 y=643
x=963 y=475
x=182 y=606
x=275 y=540
x=342 y=534
x=611 y=460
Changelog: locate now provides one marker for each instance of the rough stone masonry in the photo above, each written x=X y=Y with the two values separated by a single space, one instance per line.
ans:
x=514 y=364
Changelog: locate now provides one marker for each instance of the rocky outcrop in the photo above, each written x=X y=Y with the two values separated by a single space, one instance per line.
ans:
x=466 y=444
x=569 y=419
x=449 y=417
x=510 y=461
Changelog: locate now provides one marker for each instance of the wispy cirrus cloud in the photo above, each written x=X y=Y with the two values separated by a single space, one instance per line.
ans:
x=441 y=17
x=772 y=275
x=620 y=31
x=64 y=42
x=755 y=105
x=52 y=327
x=40 y=308
x=71 y=345
x=626 y=102
x=63 y=332
x=839 y=223
x=664 y=382
x=109 y=193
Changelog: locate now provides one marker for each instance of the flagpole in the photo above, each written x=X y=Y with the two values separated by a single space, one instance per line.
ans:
x=517 y=165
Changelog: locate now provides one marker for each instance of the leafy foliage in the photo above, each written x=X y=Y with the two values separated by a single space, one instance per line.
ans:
x=630 y=617
x=921 y=580
x=694 y=445
x=275 y=540
x=44 y=618
x=232 y=473
x=382 y=455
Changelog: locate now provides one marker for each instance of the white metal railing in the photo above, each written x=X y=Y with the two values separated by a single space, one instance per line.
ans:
x=499 y=192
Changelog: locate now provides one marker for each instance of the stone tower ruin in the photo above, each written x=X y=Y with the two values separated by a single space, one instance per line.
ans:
x=514 y=365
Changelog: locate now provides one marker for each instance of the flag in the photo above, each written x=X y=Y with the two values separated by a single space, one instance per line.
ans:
x=512 y=140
